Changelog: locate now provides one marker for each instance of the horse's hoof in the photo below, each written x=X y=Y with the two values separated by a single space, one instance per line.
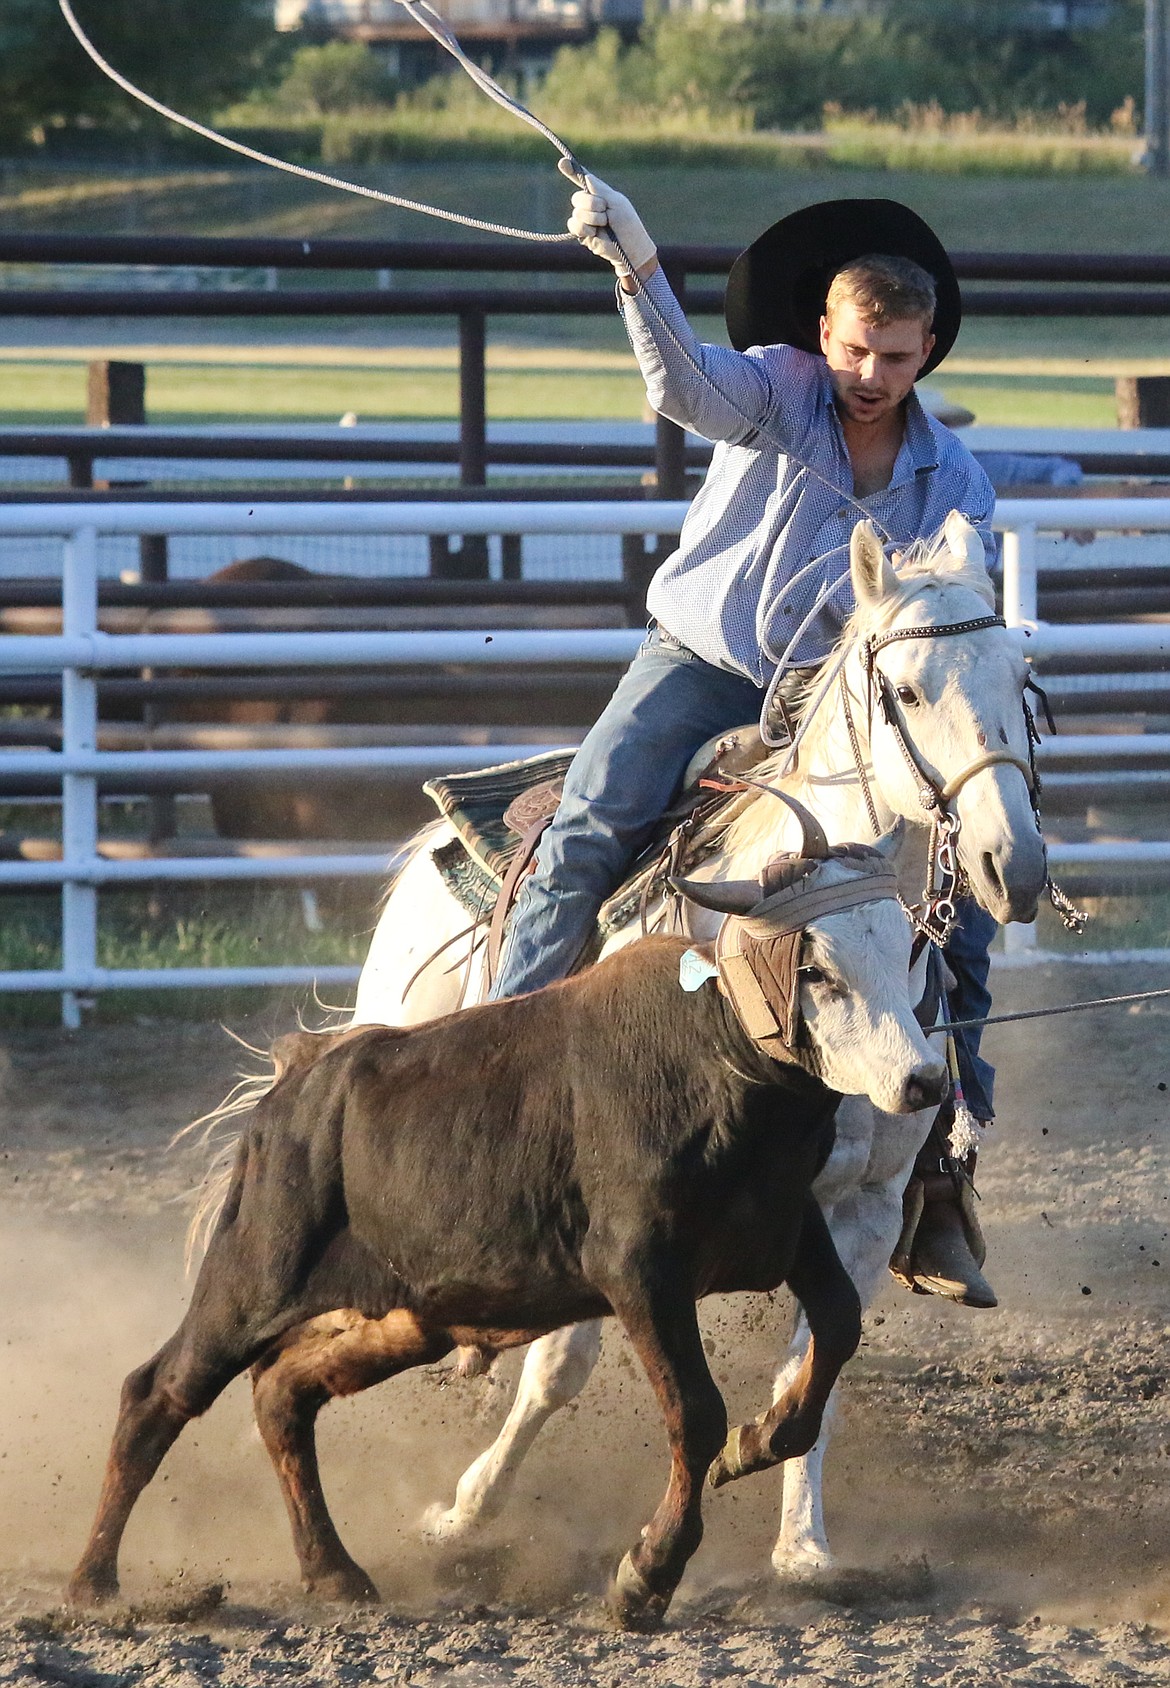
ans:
x=802 y=1563
x=348 y=1584
x=632 y=1603
x=91 y=1588
x=438 y=1524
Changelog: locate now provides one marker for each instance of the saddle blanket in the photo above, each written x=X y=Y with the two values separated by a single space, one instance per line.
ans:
x=473 y=864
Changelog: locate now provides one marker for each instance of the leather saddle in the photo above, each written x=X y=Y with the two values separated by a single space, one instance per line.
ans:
x=529 y=814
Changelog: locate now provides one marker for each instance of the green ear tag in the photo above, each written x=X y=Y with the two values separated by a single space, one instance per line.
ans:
x=694 y=970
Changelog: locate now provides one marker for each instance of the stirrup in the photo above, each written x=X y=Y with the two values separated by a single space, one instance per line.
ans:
x=941 y=1248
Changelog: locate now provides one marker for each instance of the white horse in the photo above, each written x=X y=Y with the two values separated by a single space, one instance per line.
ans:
x=959 y=712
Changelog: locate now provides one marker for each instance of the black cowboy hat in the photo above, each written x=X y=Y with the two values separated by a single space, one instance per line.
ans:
x=776 y=289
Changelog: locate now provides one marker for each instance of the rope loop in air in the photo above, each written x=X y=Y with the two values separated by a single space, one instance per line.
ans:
x=434 y=25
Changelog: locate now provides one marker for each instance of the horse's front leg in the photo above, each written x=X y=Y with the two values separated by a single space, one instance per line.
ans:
x=863 y=1181
x=556 y=1369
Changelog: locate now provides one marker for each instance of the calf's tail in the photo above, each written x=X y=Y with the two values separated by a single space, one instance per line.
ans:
x=215 y=1132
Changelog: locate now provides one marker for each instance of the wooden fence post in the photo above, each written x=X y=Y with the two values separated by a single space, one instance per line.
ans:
x=1143 y=401
x=471 y=561
x=116 y=398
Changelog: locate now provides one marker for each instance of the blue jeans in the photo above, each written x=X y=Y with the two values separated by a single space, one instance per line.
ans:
x=969 y=961
x=625 y=775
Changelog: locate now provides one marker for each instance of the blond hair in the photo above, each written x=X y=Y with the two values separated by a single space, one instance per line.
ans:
x=883 y=289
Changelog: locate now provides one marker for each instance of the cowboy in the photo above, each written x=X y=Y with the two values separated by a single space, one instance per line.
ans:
x=833 y=314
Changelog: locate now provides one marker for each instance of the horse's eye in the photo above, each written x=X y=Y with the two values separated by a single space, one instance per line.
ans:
x=813 y=976
x=908 y=696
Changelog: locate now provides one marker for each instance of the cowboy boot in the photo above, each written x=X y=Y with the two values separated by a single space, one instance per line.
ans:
x=941 y=1249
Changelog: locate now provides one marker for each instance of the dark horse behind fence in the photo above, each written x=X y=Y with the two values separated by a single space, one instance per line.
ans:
x=317 y=808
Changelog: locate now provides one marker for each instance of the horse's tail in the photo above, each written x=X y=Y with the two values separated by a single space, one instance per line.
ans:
x=413 y=847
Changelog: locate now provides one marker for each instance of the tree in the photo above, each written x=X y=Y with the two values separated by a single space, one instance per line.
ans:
x=193 y=56
x=995 y=56
x=340 y=76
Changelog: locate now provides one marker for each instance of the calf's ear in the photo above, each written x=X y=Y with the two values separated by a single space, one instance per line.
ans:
x=870 y=569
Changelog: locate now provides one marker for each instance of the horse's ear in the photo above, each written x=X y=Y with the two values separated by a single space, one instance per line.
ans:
x=963 y=542
x=870 y=568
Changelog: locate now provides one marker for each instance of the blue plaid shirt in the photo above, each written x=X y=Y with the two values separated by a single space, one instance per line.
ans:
x=760 y=516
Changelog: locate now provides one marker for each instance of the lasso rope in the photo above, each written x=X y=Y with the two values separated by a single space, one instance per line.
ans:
x=434 y=25
x=1046 y=1013
x=428 y=19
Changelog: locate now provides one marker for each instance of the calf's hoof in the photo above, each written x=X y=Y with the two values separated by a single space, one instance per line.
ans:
x=91 y=1588
x=632 y=1603
x=727 y=1464
x=348 y=1584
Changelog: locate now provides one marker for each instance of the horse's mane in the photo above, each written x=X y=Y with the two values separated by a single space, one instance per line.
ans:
x=919 y=579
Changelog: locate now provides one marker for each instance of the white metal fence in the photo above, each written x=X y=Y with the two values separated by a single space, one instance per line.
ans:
x=82 y=651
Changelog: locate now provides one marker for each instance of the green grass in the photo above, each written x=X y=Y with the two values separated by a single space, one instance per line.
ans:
x=1031 y=402
x=53 y=392
x=466 y=128
x=696 y=202
x=181 y=926
x=966 y=146
x=36 y=393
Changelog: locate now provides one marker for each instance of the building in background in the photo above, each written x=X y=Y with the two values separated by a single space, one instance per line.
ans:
x=519 y=36
x=522 y=35
x=379 y=20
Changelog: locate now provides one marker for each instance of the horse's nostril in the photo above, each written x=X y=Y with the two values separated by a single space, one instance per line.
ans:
x=994 y=877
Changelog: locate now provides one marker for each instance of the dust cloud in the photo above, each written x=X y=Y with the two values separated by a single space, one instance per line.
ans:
x=999 y=1469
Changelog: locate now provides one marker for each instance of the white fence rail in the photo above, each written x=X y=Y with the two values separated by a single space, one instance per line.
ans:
x=82 y=651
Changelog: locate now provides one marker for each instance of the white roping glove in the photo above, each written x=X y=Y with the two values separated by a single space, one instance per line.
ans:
x=603 y=219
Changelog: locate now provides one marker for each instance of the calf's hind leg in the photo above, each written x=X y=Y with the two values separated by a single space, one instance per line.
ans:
x=832 y=1308
x=235 y=1312
x=338 y=1354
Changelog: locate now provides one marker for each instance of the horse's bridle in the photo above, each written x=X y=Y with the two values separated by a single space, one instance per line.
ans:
x=944 y=880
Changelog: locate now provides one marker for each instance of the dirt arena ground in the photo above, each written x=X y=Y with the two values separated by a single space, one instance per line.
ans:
x=999 y=1493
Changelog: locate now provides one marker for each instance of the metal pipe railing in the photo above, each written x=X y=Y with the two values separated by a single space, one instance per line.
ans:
x=81 y=652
